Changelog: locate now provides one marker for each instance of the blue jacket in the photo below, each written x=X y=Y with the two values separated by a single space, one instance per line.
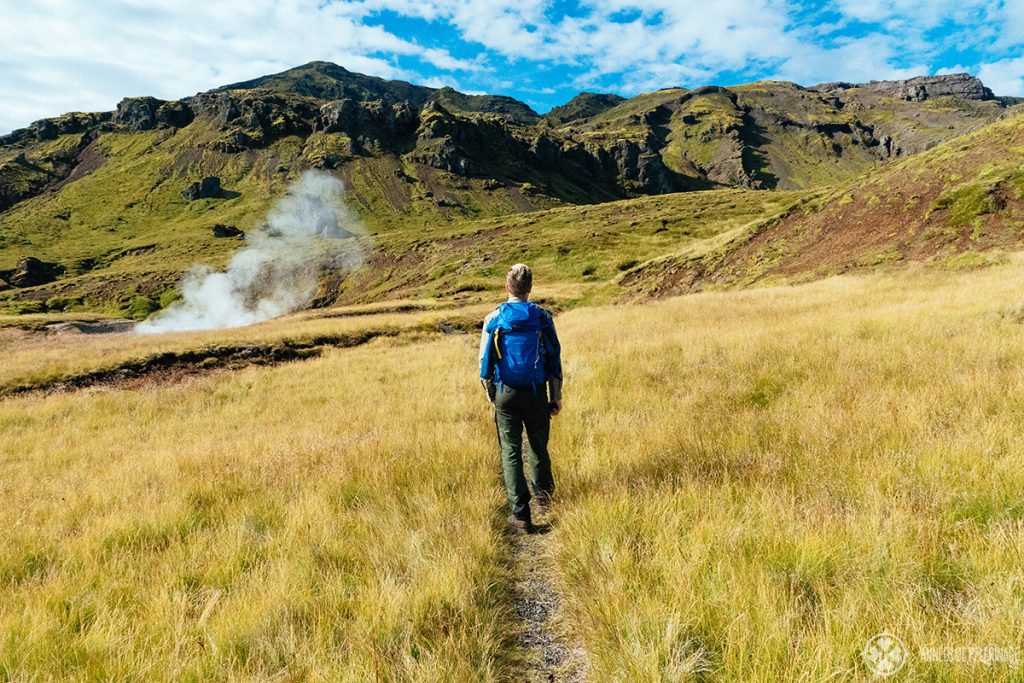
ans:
x=522 y=316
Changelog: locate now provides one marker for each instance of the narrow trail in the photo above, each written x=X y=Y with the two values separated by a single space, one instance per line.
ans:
x=551 y=654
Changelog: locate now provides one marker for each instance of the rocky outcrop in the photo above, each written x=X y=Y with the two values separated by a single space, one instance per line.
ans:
x=50 y=129
x=920 y=88
x=203 y=189
x=584 y=105
x=146 y=113
x=252 y=119
x=375 y=124
x=226 y=231
x=32 y=272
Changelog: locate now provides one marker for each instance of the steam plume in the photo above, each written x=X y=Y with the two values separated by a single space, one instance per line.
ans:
x=277 y=271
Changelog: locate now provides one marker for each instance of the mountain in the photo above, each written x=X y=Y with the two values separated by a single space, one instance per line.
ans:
x=594 y=148
x=327 y=81
x=957 y=205
x=96 y=201
x=584 y=106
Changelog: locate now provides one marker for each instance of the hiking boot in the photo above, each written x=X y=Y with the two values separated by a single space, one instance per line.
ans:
x=519 y=526
x=543 y=501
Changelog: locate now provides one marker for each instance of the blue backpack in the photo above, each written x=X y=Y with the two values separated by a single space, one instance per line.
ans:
x=517 y=344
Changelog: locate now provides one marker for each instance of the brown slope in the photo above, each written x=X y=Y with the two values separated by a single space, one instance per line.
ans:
x=947 y=205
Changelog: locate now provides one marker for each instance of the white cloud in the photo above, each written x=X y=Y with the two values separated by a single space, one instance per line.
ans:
x=1011 y=14
x=62 y=55
x=65 y=55
x=1005 y=77
x=917 y=14
x=854 y=60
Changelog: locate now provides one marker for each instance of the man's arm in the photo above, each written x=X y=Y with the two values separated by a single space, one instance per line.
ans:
x=486 y=365
x=553 y=363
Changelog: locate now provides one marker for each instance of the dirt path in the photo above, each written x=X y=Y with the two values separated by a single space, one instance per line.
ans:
x=552 y=654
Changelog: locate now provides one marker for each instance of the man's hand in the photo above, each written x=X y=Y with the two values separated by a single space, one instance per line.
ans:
x=488 y=386
x=556 y=407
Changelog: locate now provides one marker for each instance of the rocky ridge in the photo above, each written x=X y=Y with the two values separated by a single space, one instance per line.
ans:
x=594 y=148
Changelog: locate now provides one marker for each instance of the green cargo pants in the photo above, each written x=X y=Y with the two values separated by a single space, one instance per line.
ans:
x=513 y=410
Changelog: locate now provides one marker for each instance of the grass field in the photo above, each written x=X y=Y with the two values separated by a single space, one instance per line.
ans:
x=750 y=485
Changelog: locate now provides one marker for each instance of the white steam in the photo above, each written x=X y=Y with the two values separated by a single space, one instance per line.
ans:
x=307 y=231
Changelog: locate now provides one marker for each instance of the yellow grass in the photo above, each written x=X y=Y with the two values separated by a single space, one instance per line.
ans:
x=33 y=358
x=333 y=520
x=750 y=485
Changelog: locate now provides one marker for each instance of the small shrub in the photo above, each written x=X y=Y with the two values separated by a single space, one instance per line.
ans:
x=142 y=307
x=970 y=260
x=966 y=204
x=168 y=298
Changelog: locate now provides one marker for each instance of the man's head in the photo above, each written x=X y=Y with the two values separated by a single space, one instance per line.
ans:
x=519 y=280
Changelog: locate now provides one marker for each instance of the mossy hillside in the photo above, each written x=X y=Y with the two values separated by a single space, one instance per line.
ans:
x=700 y=134
x=327 y=81
x=498 y=105
x=965 y=196
x=122 y=230
x=578 y=252
x=124 y=225
x=118 y=227
x=635 y=107
x=125 y=235
x=780 y=135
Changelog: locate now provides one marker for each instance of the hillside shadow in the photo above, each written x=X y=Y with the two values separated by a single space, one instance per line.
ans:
x=658 y=120
x=755 y=161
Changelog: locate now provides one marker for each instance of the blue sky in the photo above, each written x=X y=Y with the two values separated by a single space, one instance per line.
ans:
x=65 y=55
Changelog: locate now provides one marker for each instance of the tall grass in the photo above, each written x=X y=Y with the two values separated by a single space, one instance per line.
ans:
x=750 y=485
x=757 y=483
x=330 y=520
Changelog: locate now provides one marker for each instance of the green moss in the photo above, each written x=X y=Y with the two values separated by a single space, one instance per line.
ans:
x=169 y=297
x=970 y=260
x=142 y=307
x=1016 y=183
x=327 y=150
x=889 y=255
x=965 y=204
x=764 y=392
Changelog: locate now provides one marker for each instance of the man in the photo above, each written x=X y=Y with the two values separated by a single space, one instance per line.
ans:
x=520 y=366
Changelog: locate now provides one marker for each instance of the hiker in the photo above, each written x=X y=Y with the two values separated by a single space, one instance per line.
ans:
x=521 y=371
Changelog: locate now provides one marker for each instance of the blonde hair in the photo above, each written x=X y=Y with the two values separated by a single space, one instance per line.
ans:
x=519 y=279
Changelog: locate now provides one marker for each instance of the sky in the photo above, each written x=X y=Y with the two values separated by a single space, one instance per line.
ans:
x=69 y=55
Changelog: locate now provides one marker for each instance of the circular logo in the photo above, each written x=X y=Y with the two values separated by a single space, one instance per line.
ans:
x=885 y=654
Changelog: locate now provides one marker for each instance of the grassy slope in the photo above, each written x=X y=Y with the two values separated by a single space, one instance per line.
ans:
x=576 y=251
x=123 y=229
x=729 y=500
x=123 y=232
x=951 y=206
